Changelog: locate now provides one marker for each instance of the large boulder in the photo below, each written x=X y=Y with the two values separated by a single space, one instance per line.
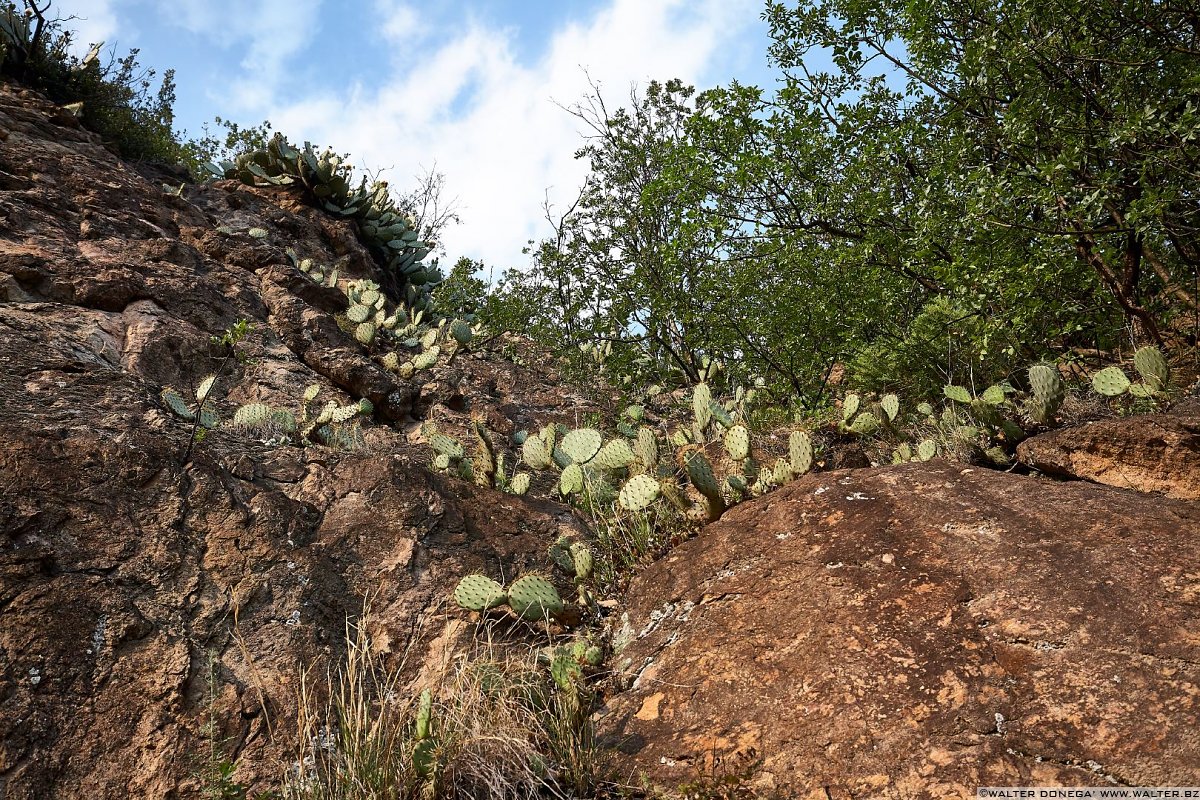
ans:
x=1147 y=453
x=917 y=631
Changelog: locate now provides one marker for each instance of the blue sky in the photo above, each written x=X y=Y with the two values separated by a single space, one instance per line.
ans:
x=470 y=87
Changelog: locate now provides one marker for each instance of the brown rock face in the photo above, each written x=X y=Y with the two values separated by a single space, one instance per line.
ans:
x=917 y=631
x=123 y=574
x=1147 y=453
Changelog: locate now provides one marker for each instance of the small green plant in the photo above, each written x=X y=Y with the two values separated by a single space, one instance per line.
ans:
x=1150 y=365
x=202 y=411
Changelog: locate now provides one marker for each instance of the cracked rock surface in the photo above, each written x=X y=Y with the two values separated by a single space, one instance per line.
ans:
x=917 y=631
x=123 y=573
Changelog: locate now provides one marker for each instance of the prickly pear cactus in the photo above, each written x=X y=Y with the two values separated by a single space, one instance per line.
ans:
x=850 y=405
x=582 y=445
x=737 y=442
x=639 y=492
x=581 y=558
x=253 y=415
x=865 y=424
x=958 y=394
x=535 y=453
x=1048 y=392
x=571 y=480
x=519 y=483
x=446 y=446
x=479 y=593
x=617 y=454
x=800 y=452
x=1151 y=365
x=702 y=404
x=533 y=598
x=700 y=473
x=646 y=448
x=1111 y=382
x=927 y=449
x=890 y=404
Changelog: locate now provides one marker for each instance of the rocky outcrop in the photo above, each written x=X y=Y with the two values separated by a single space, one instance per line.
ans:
x=1147 y=453
x=917 y=631
x=123 y=574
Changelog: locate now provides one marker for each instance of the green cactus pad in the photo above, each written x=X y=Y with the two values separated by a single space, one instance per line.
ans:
x=519 y=483
x=850 y=405
x=441 y=462
x=445 y=445
x=721 y=415
x=582 y=445
x=205 y=388
x=1151 y=365
x=865 y=424
x=800 y=452
x=617 y=454
x=646 y=448
x=571 y=480
x=891 y=406
x=358 y=313
x=532 y=598
x=700 y=473
x=639 y=492
x=581 y=558
x=461 y=332
x=365 y=332
x=311 y=392
x=391 y=361
x=1111 y=382
x=425 y=360
x=174 y=401
x=927 y=450
x=345 y=413
x=737 y=442
x=902 y=454
x=1141 y=390
x=993 y=395
x=1047 y=386
x=479 y=593
x=925 y=410
x=534 y=453
x=781 y=473
x=702 y=404
x=958 y=394
x=252 y=415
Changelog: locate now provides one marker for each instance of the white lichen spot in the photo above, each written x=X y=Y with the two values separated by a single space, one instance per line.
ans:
x=999 y=723
x=821 y=490
x=858 y=496
x=294 y=619
x=783 y=537
x=98 y=637
x=35 y=676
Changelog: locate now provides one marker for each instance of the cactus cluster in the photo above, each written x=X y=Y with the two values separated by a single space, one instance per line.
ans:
x=16 y=34
x=425 y=746
x=203 y=411
x=389 y=232
x=861 y=421
x=575 y=559
x=531 y=597
x=330 y=424
x=318 y=273
x=1151 y=366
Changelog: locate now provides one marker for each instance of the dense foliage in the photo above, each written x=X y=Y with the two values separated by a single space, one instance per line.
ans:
x=961 y=189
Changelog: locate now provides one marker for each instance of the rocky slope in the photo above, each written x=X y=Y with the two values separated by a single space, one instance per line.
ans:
x=124 y=575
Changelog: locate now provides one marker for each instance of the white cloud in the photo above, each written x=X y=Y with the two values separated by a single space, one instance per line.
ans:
x=491 y=122
x=94 y=21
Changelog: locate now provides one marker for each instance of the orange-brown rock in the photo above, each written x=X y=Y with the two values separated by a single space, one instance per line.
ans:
x=124 y=575
x=1147 y=453
x=915 y=632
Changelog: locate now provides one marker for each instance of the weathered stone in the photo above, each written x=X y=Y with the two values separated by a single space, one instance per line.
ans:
x=1147 y=453
x=917 y=631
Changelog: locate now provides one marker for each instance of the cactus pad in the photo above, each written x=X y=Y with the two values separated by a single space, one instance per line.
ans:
x=1111 y=382
x=927 y=450
x=617 y=454
x=993 y=395
x=479 y=593
x=700 y=472
x=865 y=424
x=174 y=401
x=639 y=492
x=365 y=332
x=519 y=483
x=646 y=447
x=205 y=388
x=252 y=415
x=737 y=442
x=1151 y=365
x=534 y=453
x=800 y=452
x=445 y=445
x=461 y=332
x=532 y=597
x=891 y=406
x=571 y=480
x=582 y=445
x=958 y=394
x=581 y=558
x=702 y=404
x=850 y=406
